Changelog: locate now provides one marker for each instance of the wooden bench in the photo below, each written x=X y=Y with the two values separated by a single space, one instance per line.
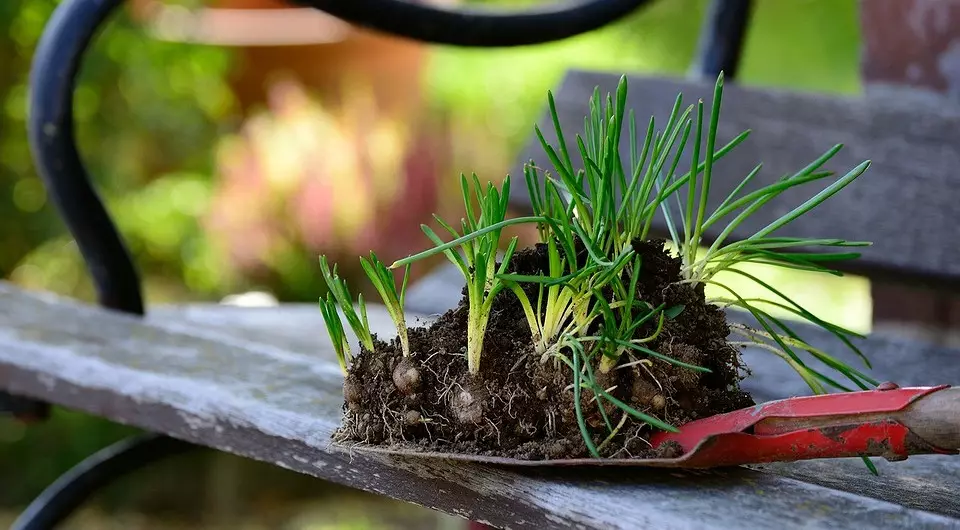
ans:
x=260 y=383
x=264 y=384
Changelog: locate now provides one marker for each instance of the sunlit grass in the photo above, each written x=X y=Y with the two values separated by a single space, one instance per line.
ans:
x=842 y=300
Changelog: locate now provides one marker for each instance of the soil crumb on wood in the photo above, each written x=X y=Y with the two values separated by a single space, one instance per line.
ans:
x=520 y=407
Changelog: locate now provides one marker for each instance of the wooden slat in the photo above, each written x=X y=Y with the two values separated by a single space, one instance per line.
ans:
x=908 y=47
x=278 y=401
x=906 y=203
x=926 y=482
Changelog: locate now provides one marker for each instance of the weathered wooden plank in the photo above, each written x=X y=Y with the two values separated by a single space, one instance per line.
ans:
x=927 y=483
x=278 y=405
x=923 y=482
x=905 y=203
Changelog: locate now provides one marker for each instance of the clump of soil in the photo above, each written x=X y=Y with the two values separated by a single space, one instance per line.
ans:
x=520 y=407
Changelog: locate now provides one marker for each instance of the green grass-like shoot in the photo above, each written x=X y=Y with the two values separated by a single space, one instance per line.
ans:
x=382 y=279
x=478 y=262
x=341 y=293
x=655 y=181
x=579 y=362
x=328 y=309
x=557 y=299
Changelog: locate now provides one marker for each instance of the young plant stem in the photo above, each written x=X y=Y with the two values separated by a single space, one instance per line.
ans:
x=694 y=243
x=478 y=264
x=382 y=279
x=341 y=293
x=331 y=318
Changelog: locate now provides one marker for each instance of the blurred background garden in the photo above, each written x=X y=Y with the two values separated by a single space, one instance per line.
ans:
x=235 y=140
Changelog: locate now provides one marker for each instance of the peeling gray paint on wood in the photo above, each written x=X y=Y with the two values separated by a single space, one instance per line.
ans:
x=911 y=51
x=912 y=42
x=263 y=401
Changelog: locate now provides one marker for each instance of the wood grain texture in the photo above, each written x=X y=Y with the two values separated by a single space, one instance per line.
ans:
x=276 y=398
x=925 y=483
x=906 y=203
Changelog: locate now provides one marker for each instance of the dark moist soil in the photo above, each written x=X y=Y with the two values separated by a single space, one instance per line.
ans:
x=520 y=407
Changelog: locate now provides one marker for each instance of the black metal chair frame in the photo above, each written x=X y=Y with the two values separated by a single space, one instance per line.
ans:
x=51 y=133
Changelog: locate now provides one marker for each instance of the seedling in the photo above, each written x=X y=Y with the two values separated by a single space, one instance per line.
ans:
x=558 y=299
x=383 y=280
x=478 y=264
x=608 y=310
x=634 y=217
x=328 y=308
x=341 y=294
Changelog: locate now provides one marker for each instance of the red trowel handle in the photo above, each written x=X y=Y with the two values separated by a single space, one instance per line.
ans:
x=891 y=422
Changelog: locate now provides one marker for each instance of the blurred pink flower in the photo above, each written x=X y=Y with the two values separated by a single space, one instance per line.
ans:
x=334 y=181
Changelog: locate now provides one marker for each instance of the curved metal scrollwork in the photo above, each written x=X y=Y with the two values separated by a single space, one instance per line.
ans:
x=478 y=28
x=51 y=133
x=721 y=40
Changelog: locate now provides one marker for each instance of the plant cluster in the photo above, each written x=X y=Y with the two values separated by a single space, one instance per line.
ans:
x=584 y=312
x=339 y=300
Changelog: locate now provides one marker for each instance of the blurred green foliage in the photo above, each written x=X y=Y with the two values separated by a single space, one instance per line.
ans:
x=32 y=457
x=150 y=116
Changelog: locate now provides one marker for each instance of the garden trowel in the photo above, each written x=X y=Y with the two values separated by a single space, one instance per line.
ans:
x=890 y=422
